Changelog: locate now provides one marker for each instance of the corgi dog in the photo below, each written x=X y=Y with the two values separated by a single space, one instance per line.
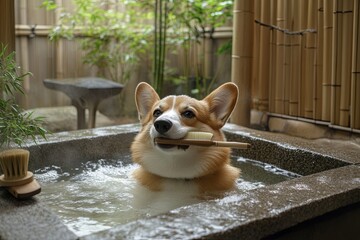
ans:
x=193 y=169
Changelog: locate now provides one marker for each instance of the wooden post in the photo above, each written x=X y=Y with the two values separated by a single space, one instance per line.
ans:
x=7 y=24
x=327 y=60
x=264 y=59
x=242 y=57
x=355 y=77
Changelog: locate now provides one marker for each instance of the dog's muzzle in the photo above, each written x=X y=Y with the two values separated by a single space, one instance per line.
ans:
x=162 y=126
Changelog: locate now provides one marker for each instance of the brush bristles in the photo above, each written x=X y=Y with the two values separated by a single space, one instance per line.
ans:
x=199 y=135
x=14 y=163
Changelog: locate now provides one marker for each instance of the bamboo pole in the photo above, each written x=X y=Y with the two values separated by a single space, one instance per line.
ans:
x=327 y=60
x=272 y=79
x=287 y=57
x=317 y=104
x=24 y=48
x=280 y=58
x=59 y=47
x=208 y=57
x=295 y=65
x=241 y=58
x=355 y=78
x=310 y=48
x=7 y=24
x=264 y=58
x=24 y=53
x=336 y=67
x=302 y=85
x=255 y=59
x=346 y=53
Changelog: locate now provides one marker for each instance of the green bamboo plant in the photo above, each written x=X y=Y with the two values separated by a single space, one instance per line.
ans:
x=200 y=18
x=161 y=14
x=15 y=125
x=179 y=23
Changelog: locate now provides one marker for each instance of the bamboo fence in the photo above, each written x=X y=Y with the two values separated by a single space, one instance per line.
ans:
x=308 y=61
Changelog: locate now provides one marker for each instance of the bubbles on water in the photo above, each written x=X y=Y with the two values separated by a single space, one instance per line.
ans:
x=99 y=195
x=87 y=197
x=51 y=174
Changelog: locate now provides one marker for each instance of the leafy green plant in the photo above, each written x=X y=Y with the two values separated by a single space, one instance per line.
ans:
x=180 y=23
x=111 y=39
x=15 y=126
x=200 y=19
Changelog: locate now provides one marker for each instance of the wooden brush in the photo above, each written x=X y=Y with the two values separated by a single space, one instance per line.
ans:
x=16 y=178
x=203 y=139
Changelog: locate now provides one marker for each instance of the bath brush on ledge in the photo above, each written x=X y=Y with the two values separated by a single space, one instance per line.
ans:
x=16 y=178
x=203 y=139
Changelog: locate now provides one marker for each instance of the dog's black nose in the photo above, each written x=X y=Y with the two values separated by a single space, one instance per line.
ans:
x=162 y=126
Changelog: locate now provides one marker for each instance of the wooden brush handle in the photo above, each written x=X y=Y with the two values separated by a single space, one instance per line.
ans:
x=202 y=143
x=238 y=145
x=25 y=191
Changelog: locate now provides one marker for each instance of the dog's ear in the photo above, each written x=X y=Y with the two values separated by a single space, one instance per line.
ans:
x=222 y=102
x=145 y=97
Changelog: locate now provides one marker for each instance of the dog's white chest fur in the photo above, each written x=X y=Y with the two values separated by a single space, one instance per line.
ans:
x=175 y=193
x=172 y=165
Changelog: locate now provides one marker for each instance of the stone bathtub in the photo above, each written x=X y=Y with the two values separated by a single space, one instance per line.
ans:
x=324 y=203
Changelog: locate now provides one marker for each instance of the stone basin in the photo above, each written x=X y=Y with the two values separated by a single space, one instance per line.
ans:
x=324 y=203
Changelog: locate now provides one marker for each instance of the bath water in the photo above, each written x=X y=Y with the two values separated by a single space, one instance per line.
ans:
x=99 y=195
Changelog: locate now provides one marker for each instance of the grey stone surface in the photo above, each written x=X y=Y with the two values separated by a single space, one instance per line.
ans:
x=29 y=219
x=345 y=150
x=64 y=118
x=253 y=215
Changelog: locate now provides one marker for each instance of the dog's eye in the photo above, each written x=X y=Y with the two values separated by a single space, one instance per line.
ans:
x=188 y=114
x=157 y=113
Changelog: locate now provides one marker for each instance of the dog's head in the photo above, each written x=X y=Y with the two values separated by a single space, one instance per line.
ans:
x=173 y=117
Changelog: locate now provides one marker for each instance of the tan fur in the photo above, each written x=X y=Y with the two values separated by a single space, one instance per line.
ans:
x=209 y=167
x=222 y=179
x=151 y=181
